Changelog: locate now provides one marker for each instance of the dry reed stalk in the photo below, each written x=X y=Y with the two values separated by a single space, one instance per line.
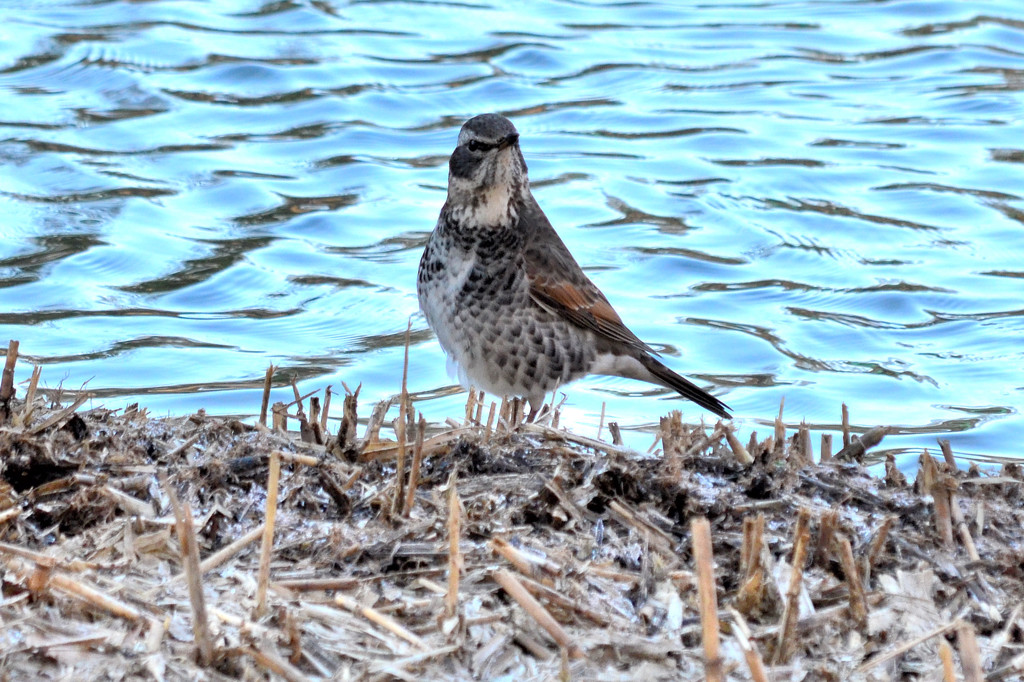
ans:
x=525 y=563
x=404 y=407
x=671 y=440
x=632 y=518
x=190 y=557
x=555 y=597
x=57 y=416
x=877 y=545
x=738 y=451
x=294 y=457
x=42 y=576
x=414 y=470
x=700 y=531
x=750 y=550
x=270 y=516
x=318 y=584
x=490 y=421
x=780 y=432
x=751 y=655
x=327 y=409
x=129 y=504
x=970 y=654
x=949 y=484
x=846 y=426
x=536 y=610
x=374 y=616
x=931 y=483
x=479 y=409
x=613 y=431
x=267 y=379
x=30 y=396
x=859 y=446
x=349 y=418
x=752 y=587
x=858 y=606
x=8 y=514
x=375 y=421
x=519 y=415
x=314 y=411
x=470 y=406
x=791 y=610
x=947 y=453
x=279 y=417
x=451 y=600
x=7 y=380
x=804 y=438
x=600 y=423
x=826 y=448
x=273 y=663
x=904 y=648
x=946 y=656
x=828 y=525
x=224 y=553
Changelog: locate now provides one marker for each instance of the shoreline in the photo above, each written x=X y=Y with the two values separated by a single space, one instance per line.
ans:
x=501 y=549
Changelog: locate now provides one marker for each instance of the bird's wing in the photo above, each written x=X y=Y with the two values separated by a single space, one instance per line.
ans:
x=558 y=283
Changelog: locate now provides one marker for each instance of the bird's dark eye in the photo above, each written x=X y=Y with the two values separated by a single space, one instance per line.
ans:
x=477 y=146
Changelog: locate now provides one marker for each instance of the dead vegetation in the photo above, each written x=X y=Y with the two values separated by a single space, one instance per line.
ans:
x=207 y=548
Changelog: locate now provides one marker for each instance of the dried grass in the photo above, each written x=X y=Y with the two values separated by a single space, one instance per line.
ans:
x=509 y=549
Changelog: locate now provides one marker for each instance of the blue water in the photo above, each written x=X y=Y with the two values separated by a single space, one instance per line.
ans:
x=810 y=200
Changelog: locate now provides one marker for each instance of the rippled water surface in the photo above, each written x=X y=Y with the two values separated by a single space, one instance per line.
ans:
x=814 y=200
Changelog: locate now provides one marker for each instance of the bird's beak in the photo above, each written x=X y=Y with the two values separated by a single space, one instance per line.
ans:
x=508 y=141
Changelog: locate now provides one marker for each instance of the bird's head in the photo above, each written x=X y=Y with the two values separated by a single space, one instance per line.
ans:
x=487 y=172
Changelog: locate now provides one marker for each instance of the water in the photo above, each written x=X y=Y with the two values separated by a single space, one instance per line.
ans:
x=813 y=200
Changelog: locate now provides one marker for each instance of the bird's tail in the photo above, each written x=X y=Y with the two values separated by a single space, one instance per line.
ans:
x=684 y=387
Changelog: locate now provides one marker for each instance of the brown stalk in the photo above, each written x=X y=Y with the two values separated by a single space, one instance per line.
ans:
x=414 y=470
x=738 y=451
x=700 y=531
x=970 y=654
x=804 y=438
x=846 y=426
x=190 y=559
x=266 y=394
x=30 y=396
x=536 y=610
x=859 y=446
x=750 y=653
x=947 y=453
x=780 y=431
x=270 y=516
x=826 y=448
x=877 y=545
x=7 y=380
x=751 y=592
x=224 y=553
x=374 y=616
x=905 y=647
x=785 y=646
x=451 y=601
x=42 y=576
x=946 y=656
x=858 y=606
x=326 y=411
x=525 y=563
x=273 y=663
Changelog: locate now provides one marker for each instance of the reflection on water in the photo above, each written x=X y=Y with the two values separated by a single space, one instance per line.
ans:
x=811 y=201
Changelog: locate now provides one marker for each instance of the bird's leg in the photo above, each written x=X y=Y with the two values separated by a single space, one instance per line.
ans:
x=537 y=408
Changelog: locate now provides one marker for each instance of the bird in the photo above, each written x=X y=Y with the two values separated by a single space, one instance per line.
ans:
x=509 y=304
